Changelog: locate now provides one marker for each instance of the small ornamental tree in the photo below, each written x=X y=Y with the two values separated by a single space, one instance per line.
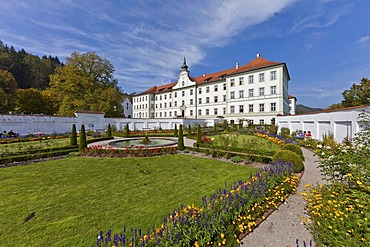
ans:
x=199 y=135
x=109 y=131
x=127 y=131
x=83 y=142
x=189 y=131
x=215 y=127
x=226 y=125
x=73 y=138
x=180 y=142
x=175 y=133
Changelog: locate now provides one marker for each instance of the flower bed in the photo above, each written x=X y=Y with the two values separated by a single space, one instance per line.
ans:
x=131 y=151
x=27 y=139
x=221 y=220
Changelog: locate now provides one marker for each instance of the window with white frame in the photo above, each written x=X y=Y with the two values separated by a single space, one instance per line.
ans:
x=224 y=110
x=232 y=109
x=207 y=89
x=250 y=107
x=156 y=97
x=273 y=90
x=241 y=108
x=262 y=107
x=261 y=77
x=165 y=96
x=160 y=114
x=182 y=102
x=273 y=107
x=170 y=103
x=207 y=100
x=250 y=92
x=261 y=91
x=191 y=101
x=200 y=100
x=262 y=121
x=241 y=94
x=175 y=103
x=250 y=79
x=200 y=112
x=160 y=97
x=216 y=99
x=191 y=91
x=160 y=105
x=170 y=95
x=165 y=114
x=175 y=94
x=199 y=91
x=224 y=86
x=232 y=95
x=165 y=105
x=273 y=75
x=232 y=82
x=241 y=81
x=183 y=93
x=224 y=97
x=251 y=121
x=191 y=112
x=170 y=113
x=207 y=112
x=215 y=88
x=215 y=111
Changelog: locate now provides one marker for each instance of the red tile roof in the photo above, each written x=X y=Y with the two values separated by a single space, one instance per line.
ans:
x=255 y=64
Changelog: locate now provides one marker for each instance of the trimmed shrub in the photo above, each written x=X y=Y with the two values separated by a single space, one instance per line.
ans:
x=109 y=131
x=83 y=142
x=236 y=159
x=180 y=142
x=289 y=156
x=199 y=135
x=189 y=130
x=127 y=131
x=285 y=132
x=295 y=148
x=73 y=139
x=175 y=133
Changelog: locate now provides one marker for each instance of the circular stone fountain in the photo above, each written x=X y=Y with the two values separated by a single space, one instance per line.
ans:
x=142 y=142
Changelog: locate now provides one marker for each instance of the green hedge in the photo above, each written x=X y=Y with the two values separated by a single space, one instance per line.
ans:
x=217 y=153
x=240 y=150
x=35 y=151
x=25 y=157
x=99 y=139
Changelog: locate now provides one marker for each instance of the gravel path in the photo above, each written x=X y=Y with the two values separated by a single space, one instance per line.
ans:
x=284 y=226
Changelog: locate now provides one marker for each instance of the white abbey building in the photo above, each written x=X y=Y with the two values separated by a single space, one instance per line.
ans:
x=257 y=91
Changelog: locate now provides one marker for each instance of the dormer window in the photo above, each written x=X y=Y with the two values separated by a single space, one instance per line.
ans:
x=183 y=83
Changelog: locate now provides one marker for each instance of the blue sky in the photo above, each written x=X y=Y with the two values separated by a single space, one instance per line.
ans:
x=325 y=43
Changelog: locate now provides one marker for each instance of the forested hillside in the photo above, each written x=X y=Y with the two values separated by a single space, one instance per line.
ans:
x=33 y=85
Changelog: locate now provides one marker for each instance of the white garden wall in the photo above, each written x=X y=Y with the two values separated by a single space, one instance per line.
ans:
x=342 y=123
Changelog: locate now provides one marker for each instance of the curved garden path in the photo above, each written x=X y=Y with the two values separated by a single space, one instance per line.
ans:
x=284 y=226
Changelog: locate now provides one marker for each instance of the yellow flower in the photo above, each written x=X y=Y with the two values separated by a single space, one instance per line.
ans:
x=359 y=182
x=222 y=235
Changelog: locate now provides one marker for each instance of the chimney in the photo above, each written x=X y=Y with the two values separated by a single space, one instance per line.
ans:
x=237 y=66
x=258 y=55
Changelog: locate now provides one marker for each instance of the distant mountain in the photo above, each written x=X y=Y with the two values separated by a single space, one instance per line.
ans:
x=300 y=109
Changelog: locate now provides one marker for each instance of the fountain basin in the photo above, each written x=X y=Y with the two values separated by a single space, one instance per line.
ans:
x=138 y=142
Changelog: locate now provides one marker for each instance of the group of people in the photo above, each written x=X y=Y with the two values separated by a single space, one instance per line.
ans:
x=9 y=134
x=304 y=135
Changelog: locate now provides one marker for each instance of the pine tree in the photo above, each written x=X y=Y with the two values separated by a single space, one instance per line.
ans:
x=109 y=131
x=180 y=142
x=199 y=136
x=175 y=133
x=73 y=138
x=83 y=142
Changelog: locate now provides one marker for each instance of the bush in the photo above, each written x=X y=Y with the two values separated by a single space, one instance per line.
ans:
x=180 y=142
x=294 y=148
x=175 y=133
x=83 y=142
x=73 y=138
x=285 y=132
x=236 y=159
x=289 y=156
x=109 y=131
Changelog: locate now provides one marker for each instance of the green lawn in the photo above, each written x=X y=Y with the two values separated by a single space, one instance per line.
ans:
x=32 y=145
x=74 y=198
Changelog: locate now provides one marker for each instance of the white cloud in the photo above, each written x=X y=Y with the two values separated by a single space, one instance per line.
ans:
x=364 y=39
x=323 y=16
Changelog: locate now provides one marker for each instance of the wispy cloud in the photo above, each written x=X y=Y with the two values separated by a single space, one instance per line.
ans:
x=323 y=16
x=364 y=39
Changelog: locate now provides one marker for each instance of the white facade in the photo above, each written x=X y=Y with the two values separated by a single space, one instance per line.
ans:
x=292 y=104
x=257 y=91
x=127 y=108
x=342 y=123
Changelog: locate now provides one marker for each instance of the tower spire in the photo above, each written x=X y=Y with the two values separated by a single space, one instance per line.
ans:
x=184 y=67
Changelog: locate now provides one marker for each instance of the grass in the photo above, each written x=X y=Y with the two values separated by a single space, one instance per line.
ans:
x=244 y=141
x=32 y=145
x=74 y=198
